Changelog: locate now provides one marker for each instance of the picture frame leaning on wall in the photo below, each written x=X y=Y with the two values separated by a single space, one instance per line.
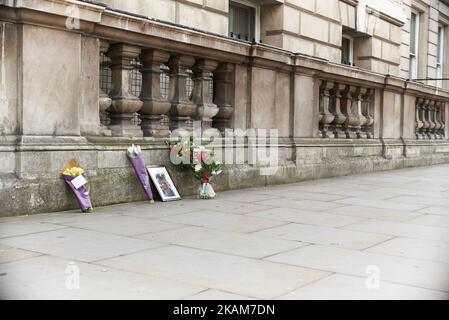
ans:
x=164 y=184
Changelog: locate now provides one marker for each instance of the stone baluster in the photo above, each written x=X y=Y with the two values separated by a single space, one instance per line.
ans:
x=440 y=116
x=425 y=119
x=438 y=123
x=432 y=119
x=359 y=117
x=442 y=121
x=419 y=118
x=348 y=108
x=202 y=92
x=367 y=111
x=339 y=117
x=124 y=103
x=325 y=99
x=154 y=105
x=104 y=101
x=223 y=95
x=183 y=110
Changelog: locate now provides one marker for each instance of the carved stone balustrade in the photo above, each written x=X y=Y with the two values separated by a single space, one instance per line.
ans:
x=155 y=106
x=339 y=117
x=367 y=112
x=429 y=119
x=346 y=111
x=183 y=110
x=202 y=92
x=326 y=117
x=223 y=95
x=124 y=103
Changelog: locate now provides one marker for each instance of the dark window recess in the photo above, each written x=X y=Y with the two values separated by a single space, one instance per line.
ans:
x=242 y=21
x=346 y=52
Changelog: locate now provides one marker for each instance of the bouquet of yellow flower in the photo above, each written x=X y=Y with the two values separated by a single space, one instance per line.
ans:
x=74 y=176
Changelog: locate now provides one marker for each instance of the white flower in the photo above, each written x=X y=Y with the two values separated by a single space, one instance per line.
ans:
x=216 y=173
x=198 y=167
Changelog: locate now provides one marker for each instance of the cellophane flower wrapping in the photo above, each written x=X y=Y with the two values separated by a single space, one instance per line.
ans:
x=136 y=158
x=206 y=191
x=81 y=194
x=201 y=161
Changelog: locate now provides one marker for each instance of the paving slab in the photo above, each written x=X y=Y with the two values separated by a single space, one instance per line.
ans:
x=383 y=204
x=431 y=221
x=212 y=294
x=325 y=236
x=413 y=272
x=243 y=276
x=17 y=228
x=376 y=213
x=444 y=211
x=9 y=254
x=225 y=222
x=312 y=205
x=226 y=206
x=414 y=248
x=123 y=225
x=401 y=230
x=48 y=277
x=246 y=245
x=306 y=217
x=78 y=244
x=355 y=288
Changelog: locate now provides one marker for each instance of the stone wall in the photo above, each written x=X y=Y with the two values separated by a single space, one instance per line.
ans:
x=210 y=15
x=51 y=103
x=432 y=13
x=311 y=27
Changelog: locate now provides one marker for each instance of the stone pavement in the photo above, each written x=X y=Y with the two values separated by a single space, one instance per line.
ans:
x=326 y=239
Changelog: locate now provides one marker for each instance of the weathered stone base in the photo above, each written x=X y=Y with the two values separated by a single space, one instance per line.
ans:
x=30 y=180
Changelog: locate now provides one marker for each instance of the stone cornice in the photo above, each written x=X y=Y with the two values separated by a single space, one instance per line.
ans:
x=385 y=17
x=353 y=3
x=419 y=89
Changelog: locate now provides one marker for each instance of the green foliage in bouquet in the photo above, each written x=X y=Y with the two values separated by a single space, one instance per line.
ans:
x=201 y=161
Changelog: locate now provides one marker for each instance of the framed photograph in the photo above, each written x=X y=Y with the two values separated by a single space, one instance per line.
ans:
x=164 y=184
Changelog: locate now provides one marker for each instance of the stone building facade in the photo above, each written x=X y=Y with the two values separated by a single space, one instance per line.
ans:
x=351 y=86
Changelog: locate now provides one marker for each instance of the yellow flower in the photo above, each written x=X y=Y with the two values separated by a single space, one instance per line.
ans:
x=74 y=171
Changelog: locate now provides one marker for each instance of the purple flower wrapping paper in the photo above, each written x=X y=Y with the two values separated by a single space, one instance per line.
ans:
x=141 y=171
x=81 y=194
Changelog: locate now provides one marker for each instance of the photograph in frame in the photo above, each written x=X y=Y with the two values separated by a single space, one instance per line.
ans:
x=164 y=184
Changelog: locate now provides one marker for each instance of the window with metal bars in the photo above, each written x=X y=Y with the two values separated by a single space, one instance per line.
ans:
x=135 y=86
x=105 y=83
x=189 y=84
x=165 y=81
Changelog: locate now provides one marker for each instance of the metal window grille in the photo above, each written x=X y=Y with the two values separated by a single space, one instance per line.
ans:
x=212 y=90
x=135 y=86
x=165 y=81
x=105 y=73
x=189 y=84
x=105 y=83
